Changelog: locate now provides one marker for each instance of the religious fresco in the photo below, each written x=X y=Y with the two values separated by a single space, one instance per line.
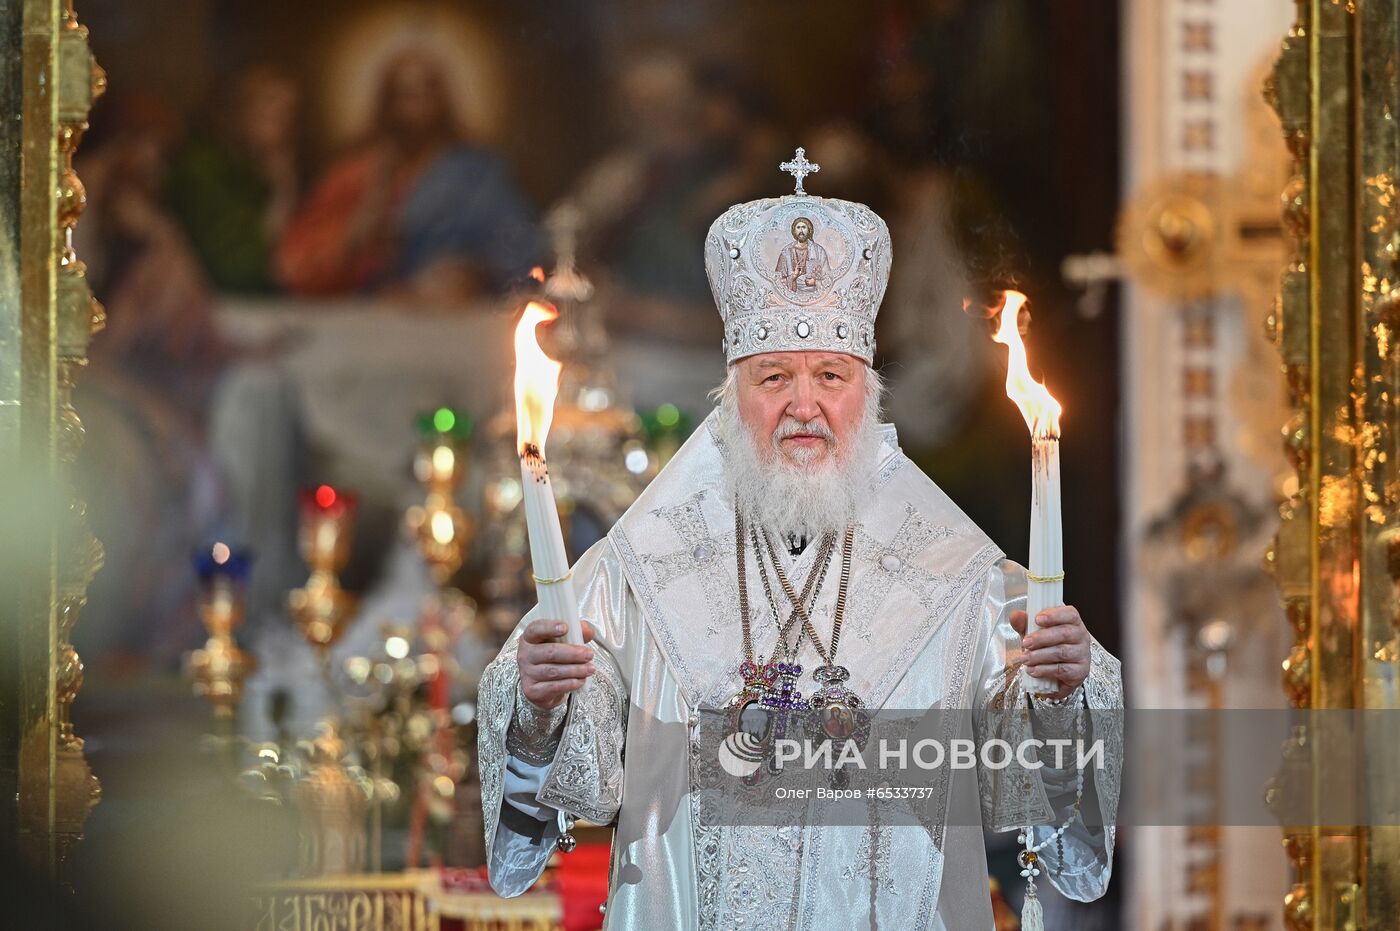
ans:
x=370 y=158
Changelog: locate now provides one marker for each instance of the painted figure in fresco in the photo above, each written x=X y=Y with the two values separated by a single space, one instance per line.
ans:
x=235 y=189
x=803 y=266
x=416 y=210
x=152 y=488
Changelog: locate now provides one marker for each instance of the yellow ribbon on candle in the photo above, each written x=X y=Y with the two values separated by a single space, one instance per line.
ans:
x=1045 y=578
x=563 y=578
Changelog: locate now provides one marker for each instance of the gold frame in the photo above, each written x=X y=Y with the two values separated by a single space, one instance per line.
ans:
x=49 y=317
x=1334 y=88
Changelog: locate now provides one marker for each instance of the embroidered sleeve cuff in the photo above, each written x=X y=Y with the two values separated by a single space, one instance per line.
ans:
x=1071 y=700
x=1054 y=717
x=533 y=735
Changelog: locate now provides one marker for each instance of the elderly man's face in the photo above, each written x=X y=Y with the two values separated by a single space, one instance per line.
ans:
x=802 y=405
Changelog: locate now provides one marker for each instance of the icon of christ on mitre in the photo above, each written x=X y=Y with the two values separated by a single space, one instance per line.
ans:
x=791 y=565
x=802 y=265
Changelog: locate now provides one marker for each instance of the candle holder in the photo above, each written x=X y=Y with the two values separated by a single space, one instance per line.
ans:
x=407 y=719
x=444 y=766
x=220 y=667
x=602 y=458
x=442 y=530
x=333 y=801
x=321 y=607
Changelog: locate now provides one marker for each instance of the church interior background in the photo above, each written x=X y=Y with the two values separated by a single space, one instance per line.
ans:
x=250 y=705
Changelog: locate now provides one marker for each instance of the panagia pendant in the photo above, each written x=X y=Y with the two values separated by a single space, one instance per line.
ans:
x=836 y=709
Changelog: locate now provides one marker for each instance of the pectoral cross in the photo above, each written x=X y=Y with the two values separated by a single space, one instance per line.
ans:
x=785 y=696
x=800 y=168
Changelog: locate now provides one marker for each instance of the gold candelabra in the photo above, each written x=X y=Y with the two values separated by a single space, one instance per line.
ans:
x=442 y=530
x=333 y=803
x=597 y=442
x=321 y=607
x=220 y=667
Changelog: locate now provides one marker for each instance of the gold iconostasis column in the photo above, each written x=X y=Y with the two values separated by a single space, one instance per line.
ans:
x=47 y=317
x=1337 y=96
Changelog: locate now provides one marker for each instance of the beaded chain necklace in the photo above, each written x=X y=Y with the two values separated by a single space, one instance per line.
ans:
x=772 y=683
x=831 y=676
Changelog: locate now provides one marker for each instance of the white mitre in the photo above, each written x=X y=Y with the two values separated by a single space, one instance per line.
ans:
x=777 y=294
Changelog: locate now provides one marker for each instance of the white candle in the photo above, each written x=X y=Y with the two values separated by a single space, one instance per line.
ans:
x=554 y=585
x=536 y=386
x=1045 y=587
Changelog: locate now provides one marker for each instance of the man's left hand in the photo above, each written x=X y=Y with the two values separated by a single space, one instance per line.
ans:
x=1058 y=649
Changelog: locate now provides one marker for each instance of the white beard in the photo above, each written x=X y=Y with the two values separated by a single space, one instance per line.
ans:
x=789 y=498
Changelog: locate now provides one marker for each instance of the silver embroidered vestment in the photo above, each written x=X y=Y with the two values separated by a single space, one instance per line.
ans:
x=928 y=628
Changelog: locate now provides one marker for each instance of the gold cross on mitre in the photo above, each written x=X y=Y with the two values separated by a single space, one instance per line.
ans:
x=800 y=168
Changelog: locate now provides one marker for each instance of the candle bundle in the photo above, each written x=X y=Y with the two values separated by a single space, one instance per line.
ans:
x=536 y=386
x=1046 y=573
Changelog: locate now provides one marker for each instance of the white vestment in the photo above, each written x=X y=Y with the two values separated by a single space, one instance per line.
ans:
x=927 y=626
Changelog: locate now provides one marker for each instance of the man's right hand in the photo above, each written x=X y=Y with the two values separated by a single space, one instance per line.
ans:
x=550 y=668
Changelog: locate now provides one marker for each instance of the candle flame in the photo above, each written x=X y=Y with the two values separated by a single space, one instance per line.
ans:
x=1041 y=410
x=536 y=380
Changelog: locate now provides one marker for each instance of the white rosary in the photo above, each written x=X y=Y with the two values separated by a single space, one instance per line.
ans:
x=1032 y=916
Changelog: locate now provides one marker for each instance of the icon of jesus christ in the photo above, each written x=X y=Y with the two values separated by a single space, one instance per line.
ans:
x=802 y=265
